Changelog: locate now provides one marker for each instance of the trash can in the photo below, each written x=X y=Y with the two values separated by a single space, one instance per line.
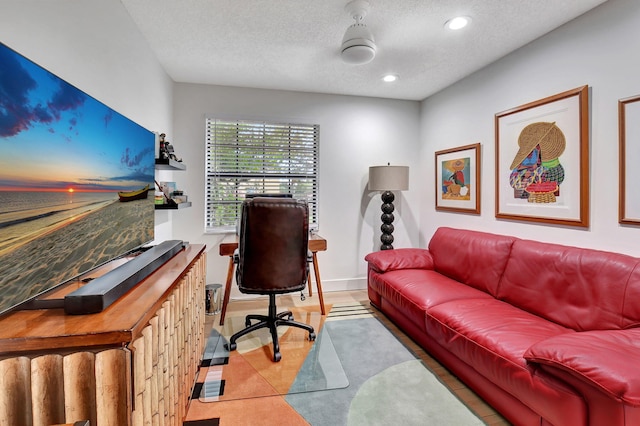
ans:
x=212 y=298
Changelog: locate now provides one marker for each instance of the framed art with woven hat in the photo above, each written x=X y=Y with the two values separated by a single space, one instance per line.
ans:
x=458 y=179
x=542 y=160
x=629 y=158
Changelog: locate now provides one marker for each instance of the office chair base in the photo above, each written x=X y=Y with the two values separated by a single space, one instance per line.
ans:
x=271 y=321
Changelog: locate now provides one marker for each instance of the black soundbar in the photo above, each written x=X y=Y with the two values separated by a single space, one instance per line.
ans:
x=97 y=295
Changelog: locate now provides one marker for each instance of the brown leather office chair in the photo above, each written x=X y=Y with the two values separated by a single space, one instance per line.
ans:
x=272 y=259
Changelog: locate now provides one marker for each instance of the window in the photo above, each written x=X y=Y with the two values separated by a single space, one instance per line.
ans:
x=254 y=157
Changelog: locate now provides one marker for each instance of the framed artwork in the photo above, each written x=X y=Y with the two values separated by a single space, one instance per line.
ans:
x=629 y=141
x=458 y=179
x=542 y=160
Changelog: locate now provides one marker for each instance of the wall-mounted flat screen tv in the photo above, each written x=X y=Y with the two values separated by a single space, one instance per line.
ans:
x=74 y=182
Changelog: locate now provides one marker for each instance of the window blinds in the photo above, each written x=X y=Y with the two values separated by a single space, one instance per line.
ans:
x=255 y=157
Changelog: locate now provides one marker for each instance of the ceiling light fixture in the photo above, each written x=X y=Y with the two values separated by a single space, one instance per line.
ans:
x=457 y=22
x=358 y=46
x=389 y=78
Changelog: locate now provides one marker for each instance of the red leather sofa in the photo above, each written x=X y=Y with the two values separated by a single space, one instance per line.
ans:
x=545 y=333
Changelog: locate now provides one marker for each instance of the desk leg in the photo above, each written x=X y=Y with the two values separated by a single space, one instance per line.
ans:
x=316 y=271
x=227 y=290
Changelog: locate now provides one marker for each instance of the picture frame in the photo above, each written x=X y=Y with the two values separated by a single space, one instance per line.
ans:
x=542 y=160
x=458 y=179
x=629 y=150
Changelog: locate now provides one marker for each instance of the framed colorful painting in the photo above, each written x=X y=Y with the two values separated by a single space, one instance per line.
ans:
x=629 y=141
x=542 y=160
x=458 y=179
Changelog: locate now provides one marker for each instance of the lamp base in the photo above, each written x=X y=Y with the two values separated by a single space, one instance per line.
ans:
x=387 y=220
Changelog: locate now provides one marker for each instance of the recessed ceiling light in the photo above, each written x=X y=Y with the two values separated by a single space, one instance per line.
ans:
x=389 y=78
x=457 y=22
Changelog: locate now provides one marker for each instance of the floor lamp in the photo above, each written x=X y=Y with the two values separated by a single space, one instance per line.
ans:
x=388 y=178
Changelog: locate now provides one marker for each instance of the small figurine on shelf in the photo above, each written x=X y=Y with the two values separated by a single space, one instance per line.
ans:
x=162 y=153
x=169 y=150
x=166 y=150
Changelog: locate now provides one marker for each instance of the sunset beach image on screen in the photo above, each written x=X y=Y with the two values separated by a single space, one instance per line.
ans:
x=64 y=158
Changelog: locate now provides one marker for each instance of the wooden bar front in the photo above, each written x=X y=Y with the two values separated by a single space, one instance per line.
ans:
x=132 y=364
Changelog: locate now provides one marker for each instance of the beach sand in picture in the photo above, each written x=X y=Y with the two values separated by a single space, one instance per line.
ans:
x=86 y=242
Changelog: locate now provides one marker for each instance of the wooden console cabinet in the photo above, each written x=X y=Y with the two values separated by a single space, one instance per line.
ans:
x=132 y=364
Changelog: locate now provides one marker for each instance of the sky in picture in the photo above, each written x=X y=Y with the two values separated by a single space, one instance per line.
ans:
x=54 y=137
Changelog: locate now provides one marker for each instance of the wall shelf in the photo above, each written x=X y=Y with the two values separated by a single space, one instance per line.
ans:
x=168 y=164
x=173 y=207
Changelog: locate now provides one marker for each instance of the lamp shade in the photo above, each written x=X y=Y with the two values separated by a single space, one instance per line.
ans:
x=388 y=178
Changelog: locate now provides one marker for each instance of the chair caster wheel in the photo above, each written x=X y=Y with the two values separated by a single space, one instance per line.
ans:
x=230 y=346
x=312 y=337
x=247 y=323
x=290 y=317
x=277 y=356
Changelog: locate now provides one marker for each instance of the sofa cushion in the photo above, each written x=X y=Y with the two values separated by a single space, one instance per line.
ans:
x=402 y=258
x=605 y=359
x=492 y=337
x=474 y=258
x=631 y=308
x=578 y=288
x=415 y=290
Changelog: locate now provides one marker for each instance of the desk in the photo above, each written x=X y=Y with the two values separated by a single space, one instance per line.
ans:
x=316 y=244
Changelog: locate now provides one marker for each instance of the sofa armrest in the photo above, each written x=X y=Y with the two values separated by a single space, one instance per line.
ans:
x=402 y=258
x=606 y=359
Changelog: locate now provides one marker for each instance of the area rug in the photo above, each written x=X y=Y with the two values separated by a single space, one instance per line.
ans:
x=378 y=382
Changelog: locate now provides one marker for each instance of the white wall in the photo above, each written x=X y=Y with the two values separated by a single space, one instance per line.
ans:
x=355 y=133
x=599 y=49
x=95 y=46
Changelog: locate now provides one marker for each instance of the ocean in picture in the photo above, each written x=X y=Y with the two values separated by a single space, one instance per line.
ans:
x=24 y=215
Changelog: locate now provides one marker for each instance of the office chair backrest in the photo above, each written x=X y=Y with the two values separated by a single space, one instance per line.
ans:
x=254 y=195
x=274 y=237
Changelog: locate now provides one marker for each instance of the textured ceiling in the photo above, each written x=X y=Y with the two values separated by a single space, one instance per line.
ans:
x=295 y=44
